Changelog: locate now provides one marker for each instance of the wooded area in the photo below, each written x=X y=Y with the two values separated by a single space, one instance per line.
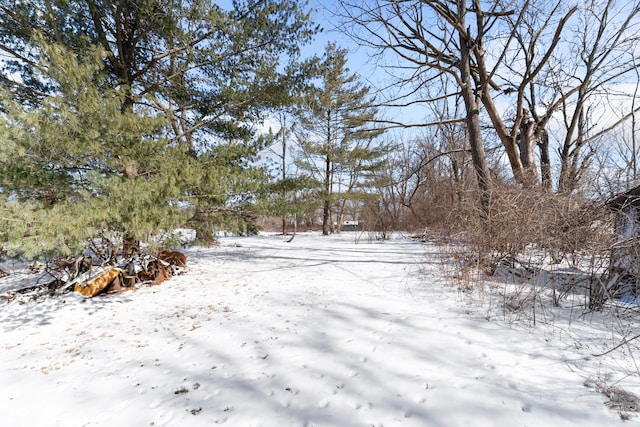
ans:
x=124 y=120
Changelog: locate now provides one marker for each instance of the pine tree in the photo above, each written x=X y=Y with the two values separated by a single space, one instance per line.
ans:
x=337 y=136
x=289 y=194
x=190 y=81
x=76 y=166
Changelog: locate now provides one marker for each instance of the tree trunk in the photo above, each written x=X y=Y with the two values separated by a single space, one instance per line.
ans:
x=326 y=214
x=328 y=179
x=326 y=218
x=473 y=120
x=527 y=153
x=507 y=138
x=295 y=228
x=340 y=219
x=283 y=122
x=569 y=155
x=545 y=159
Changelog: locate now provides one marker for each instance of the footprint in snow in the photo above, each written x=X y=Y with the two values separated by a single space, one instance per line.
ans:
x=324 y=403
x=354 y=405
x=164 y=418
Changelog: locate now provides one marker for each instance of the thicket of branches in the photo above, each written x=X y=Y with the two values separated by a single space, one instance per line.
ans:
x=529 y=124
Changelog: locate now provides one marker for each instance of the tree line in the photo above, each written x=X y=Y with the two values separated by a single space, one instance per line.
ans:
x=128 y=118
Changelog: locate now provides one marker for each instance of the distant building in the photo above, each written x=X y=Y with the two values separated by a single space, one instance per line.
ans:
x=351 y=226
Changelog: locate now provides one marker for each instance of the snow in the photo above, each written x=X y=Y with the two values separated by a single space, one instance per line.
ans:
x=322 y=331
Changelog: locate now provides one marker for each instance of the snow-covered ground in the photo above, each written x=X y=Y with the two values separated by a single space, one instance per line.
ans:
x=317 y=332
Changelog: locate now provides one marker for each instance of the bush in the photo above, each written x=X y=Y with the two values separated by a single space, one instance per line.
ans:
x=563 y=228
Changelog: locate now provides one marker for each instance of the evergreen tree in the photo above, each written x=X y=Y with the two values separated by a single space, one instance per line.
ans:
x=336 y=135
x=205 y=67
x=289 y=193
x=76 y=166
x=203 y=75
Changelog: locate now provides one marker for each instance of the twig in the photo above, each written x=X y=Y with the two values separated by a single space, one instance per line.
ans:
x=626 y=341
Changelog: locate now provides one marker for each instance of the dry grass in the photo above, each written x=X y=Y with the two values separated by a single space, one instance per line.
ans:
x=531 y=252
x=522 y=229
x=626 y=404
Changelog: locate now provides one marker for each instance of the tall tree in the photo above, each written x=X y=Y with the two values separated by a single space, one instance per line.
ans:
x=431 y=39
x=207 y=72
x=76 y=166
x=522 y=54
x=560 y=69
x=607 y=37
x=290 y=194
x=336 y=133
x=188 y=56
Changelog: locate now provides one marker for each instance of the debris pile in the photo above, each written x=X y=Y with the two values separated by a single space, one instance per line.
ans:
x=90 y=276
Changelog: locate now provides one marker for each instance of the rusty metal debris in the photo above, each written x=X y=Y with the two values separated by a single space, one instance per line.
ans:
x=95 y=275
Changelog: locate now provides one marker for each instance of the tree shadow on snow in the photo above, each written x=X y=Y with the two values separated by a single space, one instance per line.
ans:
x=45 y=310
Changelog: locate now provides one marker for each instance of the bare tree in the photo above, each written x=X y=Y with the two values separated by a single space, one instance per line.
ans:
x=435 y=38
x=521 y=63
x=542 y=61
x=607 y=39
x=561 y=71
x=432 y=39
